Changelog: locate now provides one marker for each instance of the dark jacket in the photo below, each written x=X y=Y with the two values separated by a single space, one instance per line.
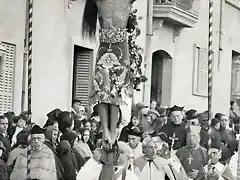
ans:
x=7 y=145
x=3 y=170
x=68 y=160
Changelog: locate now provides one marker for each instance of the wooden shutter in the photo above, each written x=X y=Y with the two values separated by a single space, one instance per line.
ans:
x=200 y=72
x=6 y=79
x=82 y=74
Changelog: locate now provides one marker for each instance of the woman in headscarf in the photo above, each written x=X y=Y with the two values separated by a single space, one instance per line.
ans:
x=51 y=140
x=17 y=149
x=83 y=144
x=124 y=133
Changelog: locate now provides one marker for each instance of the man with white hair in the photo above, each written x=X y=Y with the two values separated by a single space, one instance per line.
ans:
x=93 y=167
x=150 y=166
x=42 y=162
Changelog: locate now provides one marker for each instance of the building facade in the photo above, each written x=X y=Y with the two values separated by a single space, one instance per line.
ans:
x=174 y=36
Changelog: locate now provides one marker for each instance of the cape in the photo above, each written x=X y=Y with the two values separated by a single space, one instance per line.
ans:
x=42 y=165
x=157 y=170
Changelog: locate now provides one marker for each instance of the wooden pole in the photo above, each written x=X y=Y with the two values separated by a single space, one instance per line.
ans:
x=210 y=58
x=107 y=170
x=30 y=21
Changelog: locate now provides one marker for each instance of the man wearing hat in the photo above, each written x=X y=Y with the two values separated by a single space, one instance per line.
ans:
x=42 y=163
x=204 y=120
x=76 y=103
x=134 y=142
x=193 y=156
x=174 y=129
x=20 y=125
x=148 y=121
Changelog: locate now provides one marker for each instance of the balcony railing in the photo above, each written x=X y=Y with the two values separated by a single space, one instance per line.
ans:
x=186 y=5
x=183 y=13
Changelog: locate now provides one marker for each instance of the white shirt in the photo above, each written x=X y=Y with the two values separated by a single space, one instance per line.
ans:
x=14 y=138
x=137 y=152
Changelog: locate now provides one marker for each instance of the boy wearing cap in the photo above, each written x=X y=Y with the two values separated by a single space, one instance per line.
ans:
x=42 y=163
x=134 y=142
x=20 y=125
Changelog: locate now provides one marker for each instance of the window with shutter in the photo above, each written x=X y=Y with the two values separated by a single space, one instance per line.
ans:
x=82 y=74
x=6 y=79
x=200 y=72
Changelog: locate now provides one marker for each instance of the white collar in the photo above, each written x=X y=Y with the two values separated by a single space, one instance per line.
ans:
x=74 y=111
x=4 y=134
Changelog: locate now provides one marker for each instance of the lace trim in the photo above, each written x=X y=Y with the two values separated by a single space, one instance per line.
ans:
x=113 y=35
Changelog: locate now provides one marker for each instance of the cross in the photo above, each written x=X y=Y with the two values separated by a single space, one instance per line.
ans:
x=190 y=159
x=173 y=139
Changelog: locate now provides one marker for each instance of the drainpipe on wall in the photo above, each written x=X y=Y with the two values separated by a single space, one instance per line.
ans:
x=25 y=58
x=149 y=35
x=220 y=32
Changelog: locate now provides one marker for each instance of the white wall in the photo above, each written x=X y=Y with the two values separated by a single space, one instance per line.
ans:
x=56 y=29
x=182 y=53
x=12 y=22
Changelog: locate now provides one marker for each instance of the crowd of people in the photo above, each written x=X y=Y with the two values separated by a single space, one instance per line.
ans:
x=158 y=143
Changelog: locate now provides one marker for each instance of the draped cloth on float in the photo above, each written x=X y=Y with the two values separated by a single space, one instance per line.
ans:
x=112 y=77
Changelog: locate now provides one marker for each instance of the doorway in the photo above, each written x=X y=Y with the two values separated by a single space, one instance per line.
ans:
x=157 y=70
x=161 y=77
x=235 y=82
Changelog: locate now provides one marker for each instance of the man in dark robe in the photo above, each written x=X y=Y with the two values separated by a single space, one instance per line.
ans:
x=193 y=156
x=228 y=135
x=174 y=131
x=4 y=137
x=216 y=138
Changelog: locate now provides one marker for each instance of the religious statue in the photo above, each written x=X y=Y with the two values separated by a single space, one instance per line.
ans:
x=112 y=79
